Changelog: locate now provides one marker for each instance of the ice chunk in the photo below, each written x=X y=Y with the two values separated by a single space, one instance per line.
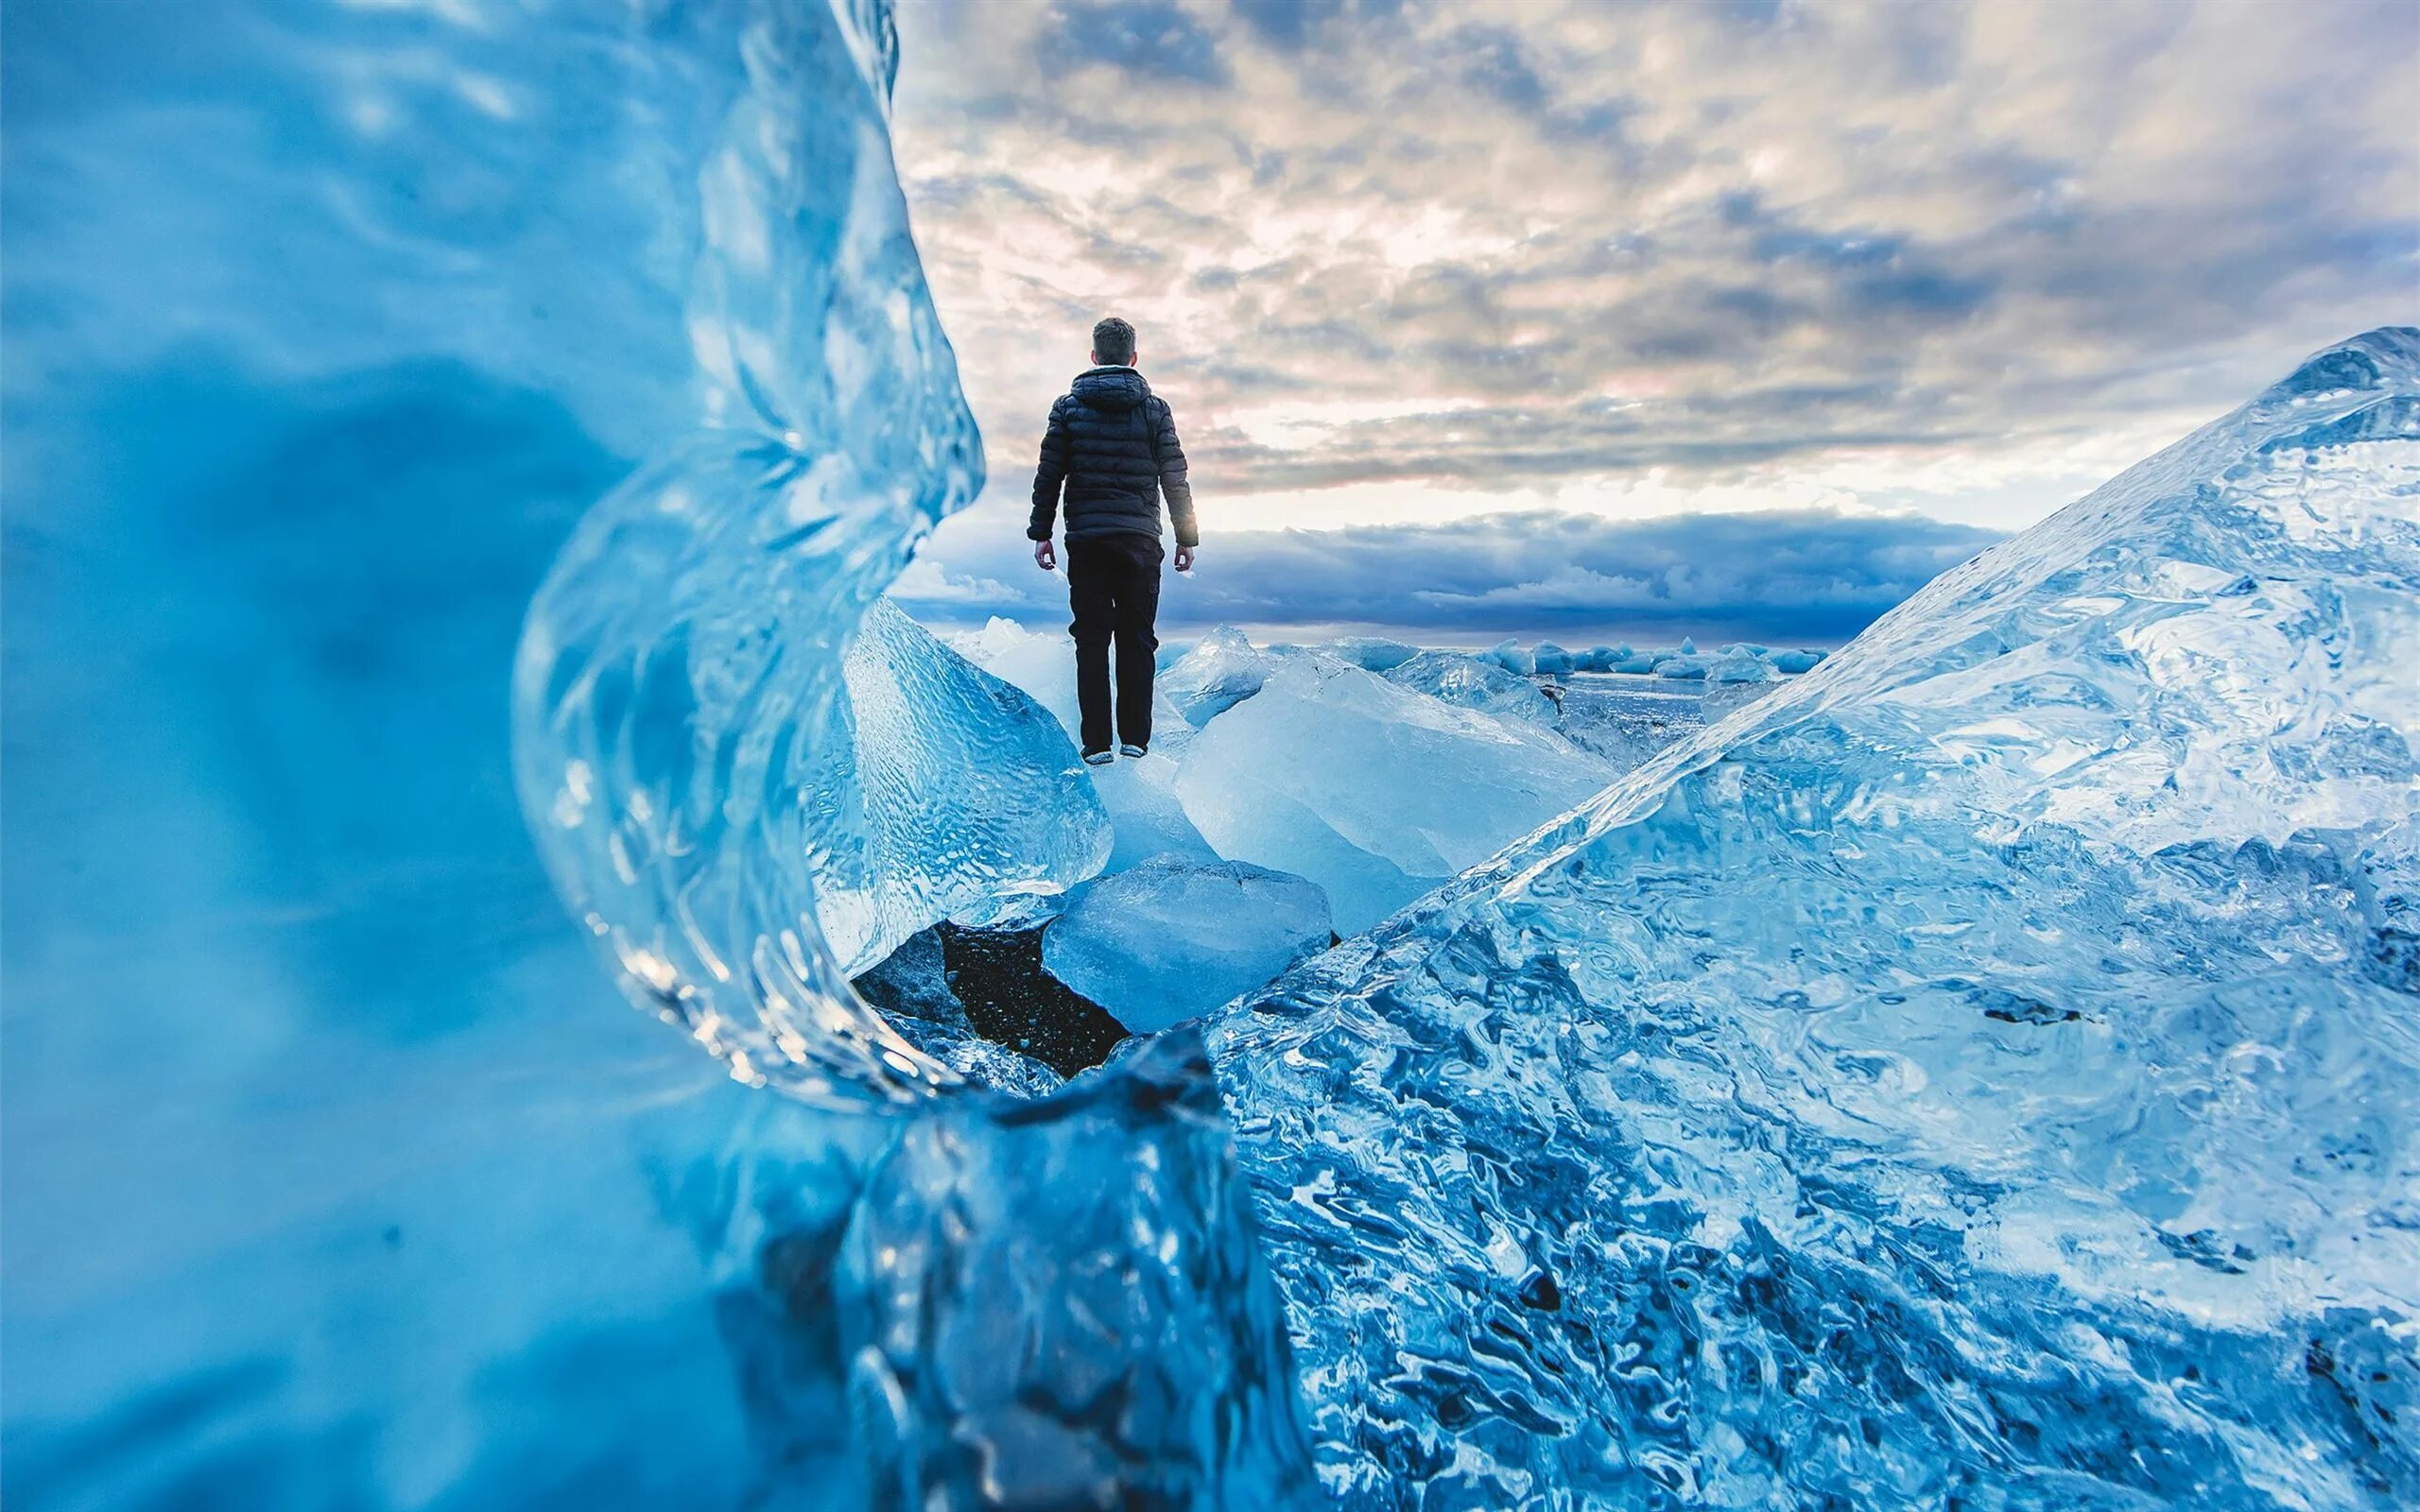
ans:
x=1145 y=812
x=1371 y=653
x=1550 y=659
x=1508 y=654
x=1471 y=683
x=963 y=795
x=1172 y=939
x=1795 y=662
x=1686 y=667
x=1217 y=673
x=338 y=1175
x=1065 y=1308
x=1739 y=665
x=1998 y=1013
x=1372 y=791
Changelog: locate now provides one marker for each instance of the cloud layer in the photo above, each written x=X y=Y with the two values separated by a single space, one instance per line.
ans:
x=1423 y=261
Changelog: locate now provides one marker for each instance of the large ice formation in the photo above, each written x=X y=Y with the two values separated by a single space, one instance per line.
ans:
x=1372 y=791
x=337 y=1174
x=1977 y=1075
x=1980 y=1072
x=1173 y=938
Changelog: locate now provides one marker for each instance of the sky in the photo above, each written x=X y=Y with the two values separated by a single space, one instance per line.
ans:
x=1626 y=321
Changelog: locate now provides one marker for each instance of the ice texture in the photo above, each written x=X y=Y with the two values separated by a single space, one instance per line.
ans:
x=338 y=1173
x=1173 y=938
x=1216 y=675
x=1372 y=791
x=955 y=796
x=1980 y=1072
x=1474 y=683
x=1628 y=719
x=1064 y=1308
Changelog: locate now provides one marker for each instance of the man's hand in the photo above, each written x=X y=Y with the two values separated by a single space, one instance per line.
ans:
x=1185 y=559
x=1043 y=556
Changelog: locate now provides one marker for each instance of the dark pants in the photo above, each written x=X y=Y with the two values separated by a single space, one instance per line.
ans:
x=1114 y=585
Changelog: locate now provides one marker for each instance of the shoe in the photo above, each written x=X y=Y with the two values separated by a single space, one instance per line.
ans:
x=1097 y=758
x=1130 y=748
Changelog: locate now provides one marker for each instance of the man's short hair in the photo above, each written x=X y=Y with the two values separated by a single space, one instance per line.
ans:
x=1114 y=342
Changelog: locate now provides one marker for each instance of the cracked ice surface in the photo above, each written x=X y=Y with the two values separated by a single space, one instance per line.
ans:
x=1978 y=1073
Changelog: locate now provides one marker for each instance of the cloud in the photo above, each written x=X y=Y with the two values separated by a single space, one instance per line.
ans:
x=1797 y=577
x=1553 y=250
x=1149 y=39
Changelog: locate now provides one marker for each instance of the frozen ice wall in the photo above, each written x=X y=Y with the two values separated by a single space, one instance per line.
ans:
x=335 y=1174
x=1979 y=1073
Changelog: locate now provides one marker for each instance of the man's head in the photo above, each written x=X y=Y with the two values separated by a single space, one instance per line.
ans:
x=1114 y=343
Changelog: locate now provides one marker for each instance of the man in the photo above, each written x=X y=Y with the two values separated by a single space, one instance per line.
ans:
x=1111 y=443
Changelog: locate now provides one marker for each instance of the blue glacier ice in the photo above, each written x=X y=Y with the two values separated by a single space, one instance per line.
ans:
x=1374 y=791
x=1220 y=672
x=1474 y=683
x=347 y=348
x=955 y=796
x=1173 y=938
x=1978 y=1073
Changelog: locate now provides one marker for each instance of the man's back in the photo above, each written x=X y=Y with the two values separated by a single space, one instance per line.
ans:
x=1111 y=449
x=1113 y=444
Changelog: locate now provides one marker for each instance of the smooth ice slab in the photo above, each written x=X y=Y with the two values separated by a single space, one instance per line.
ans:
x=1372 y=791
x=1173 y=938
x=1980 y=1072
x=1474 y=683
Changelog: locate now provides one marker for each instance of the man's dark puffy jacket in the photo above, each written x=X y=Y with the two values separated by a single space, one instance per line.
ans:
x=1112 y=442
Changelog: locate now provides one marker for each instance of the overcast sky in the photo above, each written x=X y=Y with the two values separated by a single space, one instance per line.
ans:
x=1546 y=316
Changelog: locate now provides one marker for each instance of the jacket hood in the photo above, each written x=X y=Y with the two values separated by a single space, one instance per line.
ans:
x=1110 y=388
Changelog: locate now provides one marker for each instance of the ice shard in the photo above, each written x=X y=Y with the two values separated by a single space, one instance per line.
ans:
x=954 y=795
x=1216 y=675
x=1980 y=1072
